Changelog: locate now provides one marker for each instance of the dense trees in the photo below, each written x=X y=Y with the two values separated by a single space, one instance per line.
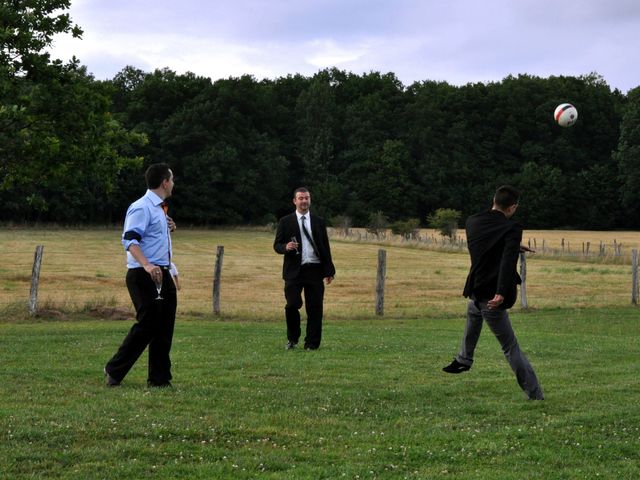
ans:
x=73 y=149
x=61 y=150
x=628 y=160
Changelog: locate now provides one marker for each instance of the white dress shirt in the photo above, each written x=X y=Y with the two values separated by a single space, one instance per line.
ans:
x=308 y=255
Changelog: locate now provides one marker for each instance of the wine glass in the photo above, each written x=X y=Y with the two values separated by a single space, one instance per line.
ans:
x=158 y=288
x=295 y=240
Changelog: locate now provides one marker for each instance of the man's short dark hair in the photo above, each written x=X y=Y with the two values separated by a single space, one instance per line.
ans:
x=506 y=196
x=300 y=190
x=156 y=174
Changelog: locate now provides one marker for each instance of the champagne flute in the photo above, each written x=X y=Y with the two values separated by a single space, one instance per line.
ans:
x=295 y=240
x=158 y=288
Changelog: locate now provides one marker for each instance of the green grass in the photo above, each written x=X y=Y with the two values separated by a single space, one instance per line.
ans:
x=581 y=270
x=371 y=403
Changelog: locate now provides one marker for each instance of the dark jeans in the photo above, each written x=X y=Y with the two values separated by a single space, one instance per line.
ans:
x=500 y=325
x=310 y=279
x=153 y=328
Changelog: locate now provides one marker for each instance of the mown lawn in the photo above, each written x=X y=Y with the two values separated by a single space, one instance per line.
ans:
x=371 y=403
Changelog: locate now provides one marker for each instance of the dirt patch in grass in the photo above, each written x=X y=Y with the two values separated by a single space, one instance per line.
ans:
x=111 y=313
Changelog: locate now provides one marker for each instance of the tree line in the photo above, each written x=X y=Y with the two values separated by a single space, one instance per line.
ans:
x=73 y=148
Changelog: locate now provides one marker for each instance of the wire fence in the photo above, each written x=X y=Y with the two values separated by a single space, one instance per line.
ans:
x=422 y=278
x=612 y=251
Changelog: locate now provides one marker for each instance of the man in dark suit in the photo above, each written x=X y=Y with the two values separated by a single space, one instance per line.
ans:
x=494 y=240
x=302 y=238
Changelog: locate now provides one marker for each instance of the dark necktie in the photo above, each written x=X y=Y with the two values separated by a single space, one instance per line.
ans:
x=306 y=234
x=165 y=209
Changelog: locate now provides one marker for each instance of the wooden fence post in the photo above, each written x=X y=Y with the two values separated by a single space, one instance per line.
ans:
x=523 y=276
x=35 y=280
x=382 y=271
x=634 y=276
x=217 y=275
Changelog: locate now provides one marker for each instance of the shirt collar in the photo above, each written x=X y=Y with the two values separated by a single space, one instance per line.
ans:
x=155 y=199
x=306 y=215
x=495 y=211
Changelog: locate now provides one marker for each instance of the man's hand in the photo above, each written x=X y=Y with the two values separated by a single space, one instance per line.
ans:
x=154 y=271
x=495 y=302
x=171 y=224
x=524 y=248
x=328 y=280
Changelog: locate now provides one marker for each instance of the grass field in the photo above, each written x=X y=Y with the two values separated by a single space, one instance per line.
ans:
x=371 y=403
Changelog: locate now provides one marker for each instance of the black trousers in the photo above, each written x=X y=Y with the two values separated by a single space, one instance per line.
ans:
x=155 y=320
x=310 y=279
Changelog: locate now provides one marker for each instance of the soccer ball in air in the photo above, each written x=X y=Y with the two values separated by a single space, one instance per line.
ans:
x=565 y=115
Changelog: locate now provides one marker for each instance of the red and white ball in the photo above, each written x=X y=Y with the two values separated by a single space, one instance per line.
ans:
x=565 y=115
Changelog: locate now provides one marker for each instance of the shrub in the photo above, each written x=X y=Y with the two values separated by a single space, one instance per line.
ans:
x=342 y=223
x=407 y=228
x=378 y=223
x=445 y=220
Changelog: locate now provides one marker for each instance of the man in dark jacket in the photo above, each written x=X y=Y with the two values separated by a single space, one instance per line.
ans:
x=494 y=240
x=302 y=238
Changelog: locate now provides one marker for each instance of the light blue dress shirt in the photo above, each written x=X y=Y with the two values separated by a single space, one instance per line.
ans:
x=146 y=225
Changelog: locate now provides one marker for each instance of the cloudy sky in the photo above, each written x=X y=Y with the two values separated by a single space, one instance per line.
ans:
x=458 y=41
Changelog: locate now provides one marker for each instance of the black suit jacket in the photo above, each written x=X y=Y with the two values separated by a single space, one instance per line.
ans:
x=494 y=246
x=288 y=227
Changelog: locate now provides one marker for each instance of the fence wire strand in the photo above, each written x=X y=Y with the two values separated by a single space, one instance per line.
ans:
x=423 y=276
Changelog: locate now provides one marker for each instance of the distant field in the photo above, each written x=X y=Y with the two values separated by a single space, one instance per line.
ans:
x=548 y=241
x=83 y=270
x=553 y=238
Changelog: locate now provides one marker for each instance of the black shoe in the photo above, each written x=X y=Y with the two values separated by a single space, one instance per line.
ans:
x=290 y=345
x=456 y=367
x=311 y=347
x=536 y=395
x=159 y=385
x=111 y=382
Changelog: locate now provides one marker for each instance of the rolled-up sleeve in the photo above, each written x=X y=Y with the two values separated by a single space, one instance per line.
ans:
x=134 y=226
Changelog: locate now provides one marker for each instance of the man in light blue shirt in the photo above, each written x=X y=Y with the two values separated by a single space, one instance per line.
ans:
x=145 y=218
x=147 y=241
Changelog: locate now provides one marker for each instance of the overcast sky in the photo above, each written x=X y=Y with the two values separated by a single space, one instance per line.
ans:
x=458 y=41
